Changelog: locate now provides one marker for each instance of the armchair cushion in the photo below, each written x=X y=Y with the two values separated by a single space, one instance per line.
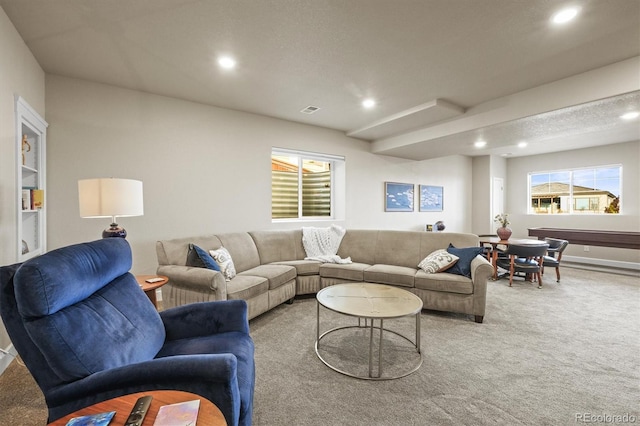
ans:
x=65 y=277
x=68 y=290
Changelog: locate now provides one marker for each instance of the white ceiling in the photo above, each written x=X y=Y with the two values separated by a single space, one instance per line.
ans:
x=444 y=72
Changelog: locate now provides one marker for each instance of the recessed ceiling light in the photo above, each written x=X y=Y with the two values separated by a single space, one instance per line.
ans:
x=368 y=103
x=630 y=115
x=522 y=144
x=480 y=144
x=565 y=15
x=227 y=62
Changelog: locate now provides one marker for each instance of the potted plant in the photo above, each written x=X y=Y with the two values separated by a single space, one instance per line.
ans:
x=504 y=232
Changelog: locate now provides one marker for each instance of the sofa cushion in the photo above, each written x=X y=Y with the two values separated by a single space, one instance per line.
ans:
x=199 y=258
x=275 y=246
x=303 y=267
x=390 y=274
x=346 y=271
x=444 y=282
x=438 y=261
x=359 y=245
x=242 y=248
x=175 y=252
x=246 y=287
x=466 y=255
x=224 y=260
x=432 y=241
x=400 y=248
x=277 y=275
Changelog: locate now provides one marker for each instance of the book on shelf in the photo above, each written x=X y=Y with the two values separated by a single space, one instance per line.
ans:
x=32 y=198
x=37 y=195
x=26 y=199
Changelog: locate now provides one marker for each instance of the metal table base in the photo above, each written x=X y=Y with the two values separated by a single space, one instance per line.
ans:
x=369 y=323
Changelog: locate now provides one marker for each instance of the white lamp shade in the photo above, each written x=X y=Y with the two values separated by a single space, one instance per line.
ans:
x=109 y=197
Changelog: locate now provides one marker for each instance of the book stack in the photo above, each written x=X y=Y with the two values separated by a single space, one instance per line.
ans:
x=32 y=198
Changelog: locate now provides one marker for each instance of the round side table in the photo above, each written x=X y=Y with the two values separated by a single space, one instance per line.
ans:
x=150 y=288
x=208 y=413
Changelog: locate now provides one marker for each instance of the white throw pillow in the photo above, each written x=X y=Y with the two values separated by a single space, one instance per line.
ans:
x=438 y=261
x=223 y=258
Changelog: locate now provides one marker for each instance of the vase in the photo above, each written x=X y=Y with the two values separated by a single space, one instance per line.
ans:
x=504 y=233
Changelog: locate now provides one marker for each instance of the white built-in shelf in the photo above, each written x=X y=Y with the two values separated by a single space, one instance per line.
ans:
x=31 y=137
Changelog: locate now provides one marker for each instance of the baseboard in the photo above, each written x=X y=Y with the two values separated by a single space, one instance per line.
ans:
x=5 y=359
x=605 y=263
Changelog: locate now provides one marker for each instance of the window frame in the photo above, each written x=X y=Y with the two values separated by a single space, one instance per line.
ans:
x=333 y=160
x=571 y=201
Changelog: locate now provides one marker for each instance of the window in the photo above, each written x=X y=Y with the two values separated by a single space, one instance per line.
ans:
x=578 y=191
x=302 y=184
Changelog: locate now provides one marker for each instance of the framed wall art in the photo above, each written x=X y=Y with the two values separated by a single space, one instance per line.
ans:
x=398 y=197
x=431 y=198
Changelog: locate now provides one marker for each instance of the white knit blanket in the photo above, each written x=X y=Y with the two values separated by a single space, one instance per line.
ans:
x=322 y=244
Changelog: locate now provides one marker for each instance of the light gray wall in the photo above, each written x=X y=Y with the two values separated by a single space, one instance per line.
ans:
x=485 y=169
x=627 y=154
x=20 y=75
x=481 y=194
x=208 y=169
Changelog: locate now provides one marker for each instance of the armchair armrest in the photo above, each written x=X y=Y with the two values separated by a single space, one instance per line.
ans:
x=196 y=279
x=213 y=376
x=202 y=319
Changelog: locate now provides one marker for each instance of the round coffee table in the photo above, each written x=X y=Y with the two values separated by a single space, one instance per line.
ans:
x=370 y=302
x=208 y=413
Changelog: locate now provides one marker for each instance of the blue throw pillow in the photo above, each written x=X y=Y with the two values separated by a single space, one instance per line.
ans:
x=200 y=258
x=465 y=255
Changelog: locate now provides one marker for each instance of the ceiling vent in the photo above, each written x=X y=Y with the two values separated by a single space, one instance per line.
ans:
x=310 y=109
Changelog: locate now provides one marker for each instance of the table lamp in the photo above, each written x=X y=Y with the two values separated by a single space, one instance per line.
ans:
x=110 y=197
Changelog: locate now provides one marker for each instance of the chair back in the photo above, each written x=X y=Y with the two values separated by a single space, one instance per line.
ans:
x=556 y=246
x=527 y=250
x=77 y=310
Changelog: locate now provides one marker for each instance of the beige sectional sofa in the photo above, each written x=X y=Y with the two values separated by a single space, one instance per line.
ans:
x=271 y=269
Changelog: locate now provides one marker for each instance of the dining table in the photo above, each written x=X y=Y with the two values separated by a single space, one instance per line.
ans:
x=497 y=241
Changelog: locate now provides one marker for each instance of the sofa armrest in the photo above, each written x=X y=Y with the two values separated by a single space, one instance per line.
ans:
x=196 y=279
x=481 y=270
x=203 y=319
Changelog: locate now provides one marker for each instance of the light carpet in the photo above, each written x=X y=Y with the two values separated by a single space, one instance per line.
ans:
x=568 y=353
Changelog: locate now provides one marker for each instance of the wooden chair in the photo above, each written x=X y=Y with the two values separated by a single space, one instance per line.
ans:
x=554 y=254
x=525 y=259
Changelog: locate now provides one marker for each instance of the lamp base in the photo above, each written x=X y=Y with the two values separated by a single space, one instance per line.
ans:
x=114 y=230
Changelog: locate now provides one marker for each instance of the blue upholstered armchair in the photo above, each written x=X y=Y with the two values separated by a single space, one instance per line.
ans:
x=88 y=333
